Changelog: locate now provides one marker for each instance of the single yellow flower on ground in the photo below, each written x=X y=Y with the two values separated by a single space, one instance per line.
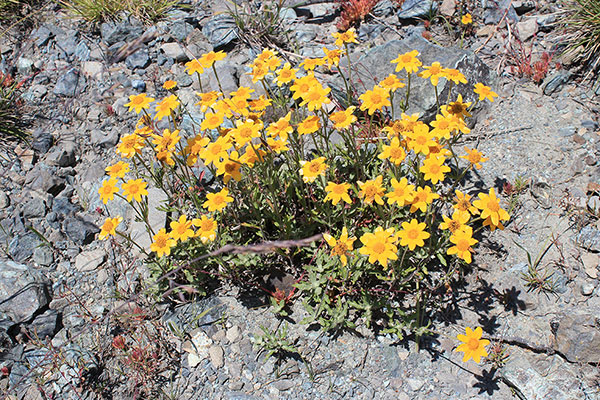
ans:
x=312 y=169
x=162 y=243
x=165 y=107
x=117 y=170
x=402 y=193
x=340 y=247
x=413 y=234
x=434 y=169
x=489 y=205
x=466 y=19
x=345 y=37
x=207 y=228
x=473 y=345
x=463 y=241
x=422 y=198
x=337 y=192
x=379 y=246
x=407 y=61
x=217 y=201
x=139 y=102
x=474 y=157
x=181 y=230
x=134 y=189
x=109 y=227
x=376 y=99
x=108 y=189
x=484 y=92
x=372 y=190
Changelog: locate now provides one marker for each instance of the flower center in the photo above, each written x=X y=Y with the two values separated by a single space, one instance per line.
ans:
x=378 y=248
x=493 y=206
x=370 y=191
x=463 y=245
x=473 y=344
x=161 y=241
x=397 y=152
x=412 y=234
x=206 y=225
x=339 y=249
x=314 y=168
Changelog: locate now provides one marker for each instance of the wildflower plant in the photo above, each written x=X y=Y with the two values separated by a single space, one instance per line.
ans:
x=385 y=194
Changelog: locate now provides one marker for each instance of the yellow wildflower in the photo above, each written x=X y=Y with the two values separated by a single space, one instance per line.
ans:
x=402 y=193
x=207 y=228
x=134 y=189
x=166 y=107
x=337 y=192
x=407 y=61
x=372 y=190
x=473 y=345
x=217 y=201
x=422 y=198
x=343 y=119
x=117 y=170
x=181 y=230
x=162 y=243
x=379 y=246
x=484 y=92
x=108 y=189
x=312 y=169
x=375 y=99
x=109 y=227
x=340 y=247
x=139 y=102
x=413 y=234
x=490 y=207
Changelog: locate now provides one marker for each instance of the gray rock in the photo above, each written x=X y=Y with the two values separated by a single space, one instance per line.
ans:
x=21 y=246
x=69 y=84
x=112 y=32
x=24 y=66
x=176 y=51
x=216 y=353
x=42 y=141
x=578 y=337
x=383 y=8
x=62 y=155
x=35 y=93
x=4 y=200
x=590 y=125
x=80 y=231
x=138 y=85
x=23 y=291
x=139 y=59
x=287 y=14
x=180 y=30
x=43 y=256
x=523 y=6
x=376 y=64
x=34 y=208
x=82 y=52
x=45 y=325
x=62 y=206
x=417 y=8
x=587 y=288
x=284 y=384
x=526 y=29
x=220 y=30
x=589 y=238
x=89 y=260
x=555 y=81
x=368 y=32
x=495 y=10
x=105 y=139
x=567 y=131
x=42 y=35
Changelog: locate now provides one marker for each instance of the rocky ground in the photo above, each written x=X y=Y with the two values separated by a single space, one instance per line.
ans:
x=66 y=299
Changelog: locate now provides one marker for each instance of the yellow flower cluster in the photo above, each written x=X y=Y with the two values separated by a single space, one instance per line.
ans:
x=235 y=138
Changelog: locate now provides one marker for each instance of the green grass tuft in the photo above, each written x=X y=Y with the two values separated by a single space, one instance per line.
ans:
x=102 y=10
x=583 y=28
